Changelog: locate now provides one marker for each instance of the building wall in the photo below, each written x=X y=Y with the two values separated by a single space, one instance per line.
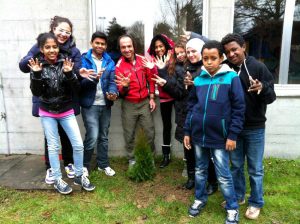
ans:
x=21 y=133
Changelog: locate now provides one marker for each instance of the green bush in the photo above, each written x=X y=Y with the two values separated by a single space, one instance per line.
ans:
x=144 y=168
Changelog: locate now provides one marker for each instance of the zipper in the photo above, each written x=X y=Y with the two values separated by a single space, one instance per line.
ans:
x=224 y=128
x=204 y=116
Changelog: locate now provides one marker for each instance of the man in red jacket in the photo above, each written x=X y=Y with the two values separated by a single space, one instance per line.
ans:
x=134 y=73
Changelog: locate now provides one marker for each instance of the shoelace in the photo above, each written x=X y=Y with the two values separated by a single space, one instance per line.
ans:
x=85 y=180
x=231 y=214
x=196 y=204
x=62 y=183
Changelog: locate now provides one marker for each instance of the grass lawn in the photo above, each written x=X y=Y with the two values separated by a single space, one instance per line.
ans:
x=118 y=200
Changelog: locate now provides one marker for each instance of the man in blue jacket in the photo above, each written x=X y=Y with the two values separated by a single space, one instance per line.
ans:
x=98 y=91
x=258 y=86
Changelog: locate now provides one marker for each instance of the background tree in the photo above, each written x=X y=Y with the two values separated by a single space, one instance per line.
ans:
x=114 y=30
x=136 y=30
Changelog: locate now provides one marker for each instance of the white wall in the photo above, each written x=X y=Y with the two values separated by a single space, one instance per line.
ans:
x=22 y=21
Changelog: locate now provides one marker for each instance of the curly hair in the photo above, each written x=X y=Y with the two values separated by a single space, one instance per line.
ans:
x=161 y=38
x=233 y=37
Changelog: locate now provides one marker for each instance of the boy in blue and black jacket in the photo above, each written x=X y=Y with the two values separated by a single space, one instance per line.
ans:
x=98 y=91
x=215 y=118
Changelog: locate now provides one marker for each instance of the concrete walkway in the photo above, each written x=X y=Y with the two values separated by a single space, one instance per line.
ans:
x=27 y=172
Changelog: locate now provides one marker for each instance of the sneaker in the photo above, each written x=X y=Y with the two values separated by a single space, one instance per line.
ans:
x=241 y=202
x=108 y=171
x=252 y=212
x=70 y=171
x=196 y=208
x=84 y=182
x=85 y=171
x=62 y=187
x=49 y=179
x=232 y=217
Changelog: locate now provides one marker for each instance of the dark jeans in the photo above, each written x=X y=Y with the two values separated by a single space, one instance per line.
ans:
x=66 y=148
x=166 y=115
x=96 y=121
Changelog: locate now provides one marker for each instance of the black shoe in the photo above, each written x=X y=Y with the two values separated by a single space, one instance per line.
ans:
x=165 y=162
x=190 y=184
x=211 y=188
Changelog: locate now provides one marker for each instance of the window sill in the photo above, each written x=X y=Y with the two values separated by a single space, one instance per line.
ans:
x=287 y=90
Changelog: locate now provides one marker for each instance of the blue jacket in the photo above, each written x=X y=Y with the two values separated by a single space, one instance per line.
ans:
x=69 y=48
x=216 y=108
x=88 y=87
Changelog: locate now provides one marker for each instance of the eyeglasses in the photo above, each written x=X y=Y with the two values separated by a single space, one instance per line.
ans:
x=67 y=33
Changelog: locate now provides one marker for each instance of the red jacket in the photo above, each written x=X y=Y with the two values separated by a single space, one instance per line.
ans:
x=140 y=76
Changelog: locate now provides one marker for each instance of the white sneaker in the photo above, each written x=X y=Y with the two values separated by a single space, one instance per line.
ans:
x=49 y=179
x=108 y=171
x=70 y=170
x=85 y=171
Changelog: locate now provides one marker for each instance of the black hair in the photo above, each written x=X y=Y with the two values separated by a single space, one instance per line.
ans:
x=213 y=44
x=130 y=37
x=163 y=40
x=56 y=20
x=43 y=37
x=99 y=34
x=233 y=37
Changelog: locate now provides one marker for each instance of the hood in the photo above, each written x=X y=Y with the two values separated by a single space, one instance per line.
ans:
x=163 y=38
x=224 y=68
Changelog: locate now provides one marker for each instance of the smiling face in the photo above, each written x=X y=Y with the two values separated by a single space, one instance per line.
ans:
x=159 y=48
x=193 y=55
x=126 y=48
x=235 y=53
x=50 y=50
x=211 y=60
x=62 y=32
x=98 y=46
x=180 y=54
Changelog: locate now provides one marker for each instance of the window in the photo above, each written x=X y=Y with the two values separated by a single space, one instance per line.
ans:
x=172 y=16
x=261 y=23
x=294 y=64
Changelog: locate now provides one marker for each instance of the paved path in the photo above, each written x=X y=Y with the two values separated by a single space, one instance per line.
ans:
x=26 y=172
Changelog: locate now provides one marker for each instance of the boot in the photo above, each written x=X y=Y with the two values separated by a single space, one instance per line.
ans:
x=165 y=162
x=190 y=183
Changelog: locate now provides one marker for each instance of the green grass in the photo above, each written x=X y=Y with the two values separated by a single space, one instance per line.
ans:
x=118 y=200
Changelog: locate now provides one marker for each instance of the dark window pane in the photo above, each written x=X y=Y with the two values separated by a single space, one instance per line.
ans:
x=260 y=22
x=294 y=67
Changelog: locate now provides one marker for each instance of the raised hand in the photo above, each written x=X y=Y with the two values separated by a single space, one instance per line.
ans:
x=185 y=36
x=255 y=85
x=159 y=81
x=160 y=62
x=188 y=80
x=34 y=65
x=87 y=73
x=68 y=65
x=121 y=80
x=147 y=63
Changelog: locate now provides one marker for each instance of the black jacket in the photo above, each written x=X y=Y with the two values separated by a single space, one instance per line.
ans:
x=54 y=87
x=256 y=104
x=176 y=88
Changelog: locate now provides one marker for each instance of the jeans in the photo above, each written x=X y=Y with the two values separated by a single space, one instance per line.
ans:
x=250 y=145
x=96 y=121
x=69 y=124
x=166 y=115
x=221 y=163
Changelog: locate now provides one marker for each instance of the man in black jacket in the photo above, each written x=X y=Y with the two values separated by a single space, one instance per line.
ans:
x=258 y=85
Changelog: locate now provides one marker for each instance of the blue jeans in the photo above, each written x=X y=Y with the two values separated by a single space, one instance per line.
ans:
x=221 y=162
x=250 y=145
x=69 y=124
x=96 y=121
